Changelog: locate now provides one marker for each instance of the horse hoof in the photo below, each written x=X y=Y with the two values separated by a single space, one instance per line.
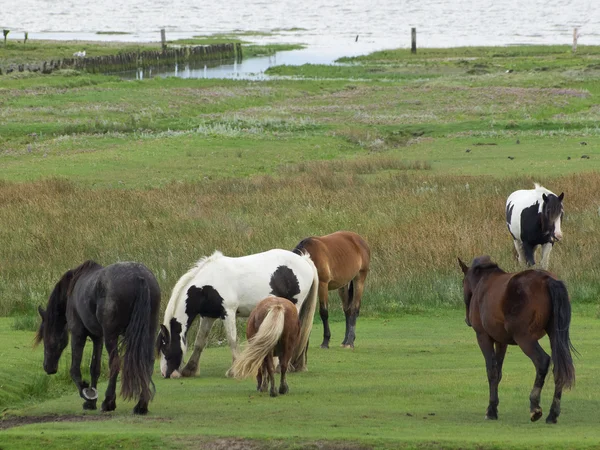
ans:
x=536 y=414
x=109 y=405
x=273 y=394
x=189 y=371
x=488 y=417
x=140 y=410
x=551 y=420
x=89 y=405
x=324 y=345
x=90 y=393
x=347 y=345
x=175 y=374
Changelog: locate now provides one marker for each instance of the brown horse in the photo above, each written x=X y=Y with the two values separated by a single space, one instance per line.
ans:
x=273 y=330
x=520 y=308
x=342 y=259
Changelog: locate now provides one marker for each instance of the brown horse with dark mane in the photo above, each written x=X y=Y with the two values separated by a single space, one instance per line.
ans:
x=519 y=309
x=342 y=260
x=273 y=330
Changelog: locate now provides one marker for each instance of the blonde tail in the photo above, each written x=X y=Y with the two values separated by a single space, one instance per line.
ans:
x=307 y=314
x=259 y=345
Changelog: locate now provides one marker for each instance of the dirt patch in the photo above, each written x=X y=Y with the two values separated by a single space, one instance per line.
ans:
x=28 y=420
x=271 y=444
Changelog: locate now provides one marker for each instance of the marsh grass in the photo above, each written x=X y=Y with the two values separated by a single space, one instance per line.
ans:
x=417 y=223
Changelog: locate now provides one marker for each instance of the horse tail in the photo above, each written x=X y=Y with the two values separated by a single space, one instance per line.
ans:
x=306 y=315
x=350 y=292
x=138 y=360
x=259 y=345
x=564 y=371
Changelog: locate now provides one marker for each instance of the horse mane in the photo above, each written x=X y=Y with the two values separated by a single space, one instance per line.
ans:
x=87 y=266
x=186 y=278
x=300 y=249
x=542 y=189
x=57 y=304
x=483 y=264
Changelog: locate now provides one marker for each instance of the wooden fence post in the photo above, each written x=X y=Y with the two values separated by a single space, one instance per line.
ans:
x=574 y=40
x=413 y=40
x=163 y=38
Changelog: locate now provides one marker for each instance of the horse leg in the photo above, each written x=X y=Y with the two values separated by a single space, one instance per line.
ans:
x=546 y=249
x=77 y=345
x=231 y=332
x=555 y=408
x=486 y=344
x=262 y=377
x=284 y=361
x=529 y=250
x=541 y=361
x=95 y=365
x=191 y=368
x=344 y=292
x=324 y=313
x=352 y=309
x=520 y=251
x=114 y=363
x=271 y=371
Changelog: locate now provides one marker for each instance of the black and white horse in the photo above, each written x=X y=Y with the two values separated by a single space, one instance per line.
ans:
x=533 y=217
x=221 y=287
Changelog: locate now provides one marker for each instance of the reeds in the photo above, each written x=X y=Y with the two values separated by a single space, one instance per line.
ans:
x=416 y=222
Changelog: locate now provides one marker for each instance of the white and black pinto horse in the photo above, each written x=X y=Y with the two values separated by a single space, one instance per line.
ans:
x=221 y=287
x=533 y=217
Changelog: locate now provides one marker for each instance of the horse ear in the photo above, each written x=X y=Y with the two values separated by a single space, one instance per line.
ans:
x=545 y=198
x=561 y=196
x=463 y=266
x=42 y=312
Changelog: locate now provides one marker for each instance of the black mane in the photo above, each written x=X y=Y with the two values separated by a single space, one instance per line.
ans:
x=84 y=268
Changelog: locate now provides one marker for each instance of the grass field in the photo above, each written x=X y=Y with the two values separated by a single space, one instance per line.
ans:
x=416 y=153
x=412 y=381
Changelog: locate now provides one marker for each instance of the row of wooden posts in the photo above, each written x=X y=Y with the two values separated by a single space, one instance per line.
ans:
x=413 y=40
x=135 y=60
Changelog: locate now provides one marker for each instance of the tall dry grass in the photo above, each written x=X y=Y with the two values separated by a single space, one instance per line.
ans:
x=416 y=222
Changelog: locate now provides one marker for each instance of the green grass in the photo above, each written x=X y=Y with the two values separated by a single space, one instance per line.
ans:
x=412 y=381
x=416 y=153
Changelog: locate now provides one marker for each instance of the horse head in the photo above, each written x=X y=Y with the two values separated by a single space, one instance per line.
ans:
x=53 y=329
x=552 y=212
x=467 y=291
x=169 y=346
x=479 y=267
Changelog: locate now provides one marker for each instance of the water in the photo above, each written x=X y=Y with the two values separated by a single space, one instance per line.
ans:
x=328 y=27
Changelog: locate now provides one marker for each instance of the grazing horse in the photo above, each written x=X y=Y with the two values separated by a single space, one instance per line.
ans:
x=104 y=303
x=533 y=218
x=342 y=259
x=221 y=287
x=272 y=330
x=520 y=308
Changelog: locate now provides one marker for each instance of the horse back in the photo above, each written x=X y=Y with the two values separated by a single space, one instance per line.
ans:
x=338 y=256
x=527 y=305
x=257 y=316
x=105 y=299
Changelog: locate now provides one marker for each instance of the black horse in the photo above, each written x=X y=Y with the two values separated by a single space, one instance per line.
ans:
x=105 y=303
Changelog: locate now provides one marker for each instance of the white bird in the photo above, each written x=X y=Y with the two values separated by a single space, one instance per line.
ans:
x=80 y=54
